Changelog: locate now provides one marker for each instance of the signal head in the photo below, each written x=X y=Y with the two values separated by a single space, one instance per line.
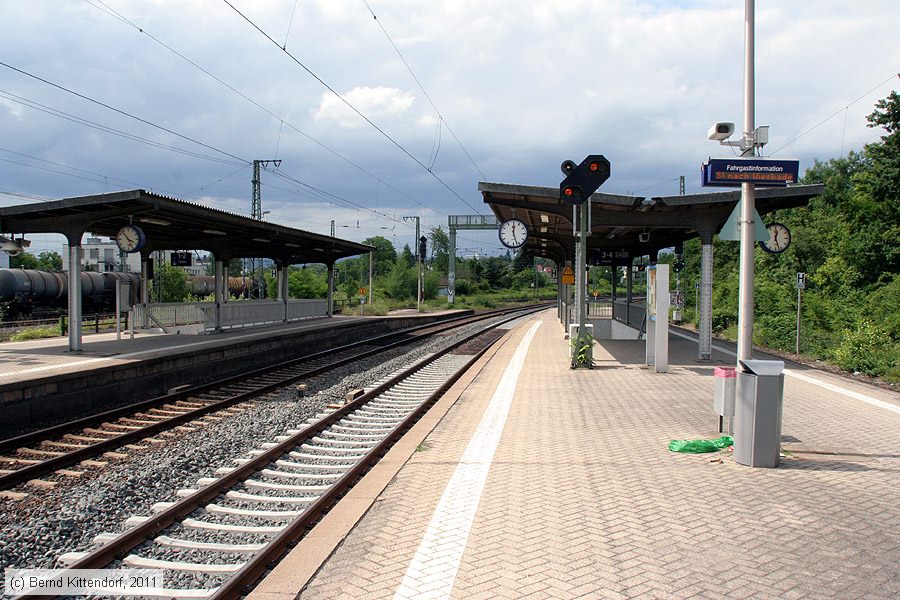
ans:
x=567 y=166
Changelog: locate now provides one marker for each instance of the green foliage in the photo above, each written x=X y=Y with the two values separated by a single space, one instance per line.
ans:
x=581 y=349
x=170 y=284
x=847 y=241
x=34 y=334
x=867 y=349
x=50 y=261
x=440 y=250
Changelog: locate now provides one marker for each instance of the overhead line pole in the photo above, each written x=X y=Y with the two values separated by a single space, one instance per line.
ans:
x=256 y=212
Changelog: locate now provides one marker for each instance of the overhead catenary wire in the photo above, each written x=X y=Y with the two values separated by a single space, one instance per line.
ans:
x=351 y=106
x=99 y=4
x=121 y=112
x=422 y=87
x=832 y=115
x=105 y=128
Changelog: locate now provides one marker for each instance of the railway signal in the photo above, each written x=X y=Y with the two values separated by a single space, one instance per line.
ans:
x=583 y=180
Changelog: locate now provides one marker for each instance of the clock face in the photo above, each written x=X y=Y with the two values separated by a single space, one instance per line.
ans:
x=779 y=239
x=513 y=233
x=130 y=238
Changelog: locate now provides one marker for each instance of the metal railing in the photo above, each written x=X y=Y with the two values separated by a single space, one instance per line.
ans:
x=630 y=314
x=262 y=312
x=170 y=314
x=231 y=315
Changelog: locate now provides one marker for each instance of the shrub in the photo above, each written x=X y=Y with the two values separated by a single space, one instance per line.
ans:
x=867 y=349
x=34 y=334
x=722 y=319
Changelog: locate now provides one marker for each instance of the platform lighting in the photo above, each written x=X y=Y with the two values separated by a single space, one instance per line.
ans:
x=214 y=232
x=153 y=221
x=264 y=240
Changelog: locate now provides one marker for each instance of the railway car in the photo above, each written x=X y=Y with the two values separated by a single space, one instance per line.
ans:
x=23 y=291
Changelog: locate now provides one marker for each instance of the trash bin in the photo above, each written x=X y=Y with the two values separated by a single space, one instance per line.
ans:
x=723 y=396
x=758 y=405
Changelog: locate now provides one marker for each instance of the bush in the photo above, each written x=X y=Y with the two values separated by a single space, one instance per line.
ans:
x=722 y=319
x=777 y=331
x=34 y=334
x=867 y=349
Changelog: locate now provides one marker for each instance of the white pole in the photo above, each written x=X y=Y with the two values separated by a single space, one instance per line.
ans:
x=748 y=198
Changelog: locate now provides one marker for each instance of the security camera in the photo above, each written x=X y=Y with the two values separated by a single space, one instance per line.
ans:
x=644 y=237
x=720 y=131
x=12 y=247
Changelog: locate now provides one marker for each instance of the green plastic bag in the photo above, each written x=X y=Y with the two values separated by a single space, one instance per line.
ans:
x=700 y=446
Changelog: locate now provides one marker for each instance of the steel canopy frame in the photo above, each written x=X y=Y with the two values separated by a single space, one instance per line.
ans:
x=170 y=224
x=635 y=224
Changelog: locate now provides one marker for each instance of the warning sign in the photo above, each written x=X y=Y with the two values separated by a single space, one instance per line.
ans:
x=568 y=276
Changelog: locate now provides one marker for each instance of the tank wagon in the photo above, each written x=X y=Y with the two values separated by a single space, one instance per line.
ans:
x=22 y=291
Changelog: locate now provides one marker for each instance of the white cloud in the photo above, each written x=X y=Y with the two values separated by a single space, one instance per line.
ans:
x=375 y=102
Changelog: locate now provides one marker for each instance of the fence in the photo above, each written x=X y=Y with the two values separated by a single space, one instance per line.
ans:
x=630 y=314
x=231 y=315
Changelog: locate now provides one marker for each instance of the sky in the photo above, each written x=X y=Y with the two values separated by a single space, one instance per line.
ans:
x=385 y=109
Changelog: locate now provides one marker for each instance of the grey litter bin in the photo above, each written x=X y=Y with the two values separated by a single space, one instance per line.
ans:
x=723 y=396
x=757 y=414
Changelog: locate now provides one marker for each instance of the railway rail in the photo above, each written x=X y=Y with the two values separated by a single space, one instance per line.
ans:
x=30 y=456
x=236 y=525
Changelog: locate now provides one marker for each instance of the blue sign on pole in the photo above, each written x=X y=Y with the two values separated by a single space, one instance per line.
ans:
x=732 y=172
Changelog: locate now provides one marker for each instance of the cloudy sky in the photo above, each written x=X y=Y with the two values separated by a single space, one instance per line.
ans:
x=179 y=96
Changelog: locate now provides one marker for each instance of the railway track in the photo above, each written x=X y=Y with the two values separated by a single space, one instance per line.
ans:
x=93 y=441
x=221 y=535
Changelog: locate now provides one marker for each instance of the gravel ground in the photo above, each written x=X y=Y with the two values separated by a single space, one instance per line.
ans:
x=35 y=531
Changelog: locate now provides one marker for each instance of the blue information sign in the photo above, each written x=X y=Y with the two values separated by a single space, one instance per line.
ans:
x=732 y=172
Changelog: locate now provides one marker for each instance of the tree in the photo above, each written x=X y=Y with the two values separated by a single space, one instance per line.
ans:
x=170 y=284
x=25 y=260
x=440 y=250
x=385 y=256
x=406 y=256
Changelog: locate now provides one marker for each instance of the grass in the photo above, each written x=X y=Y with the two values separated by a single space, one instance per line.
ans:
x=34 y=333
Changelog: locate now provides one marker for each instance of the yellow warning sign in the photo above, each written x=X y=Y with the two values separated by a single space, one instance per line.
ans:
x=568 y=276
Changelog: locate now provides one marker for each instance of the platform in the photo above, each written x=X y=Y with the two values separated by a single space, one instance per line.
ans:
x=542 y=482
x=42 y=382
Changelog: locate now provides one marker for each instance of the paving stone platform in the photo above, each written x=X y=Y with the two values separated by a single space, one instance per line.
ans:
x=583 y=500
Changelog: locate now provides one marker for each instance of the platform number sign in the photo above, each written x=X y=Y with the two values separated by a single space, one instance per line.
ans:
x=801 y=281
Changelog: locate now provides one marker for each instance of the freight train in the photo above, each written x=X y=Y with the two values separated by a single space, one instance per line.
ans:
x=25 y=291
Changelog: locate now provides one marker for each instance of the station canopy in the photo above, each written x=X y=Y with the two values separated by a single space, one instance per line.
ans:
x=172 y=224
x=621 y=224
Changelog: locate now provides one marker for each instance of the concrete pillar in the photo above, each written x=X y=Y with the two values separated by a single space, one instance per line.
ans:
x=329 y=310
x=219 y=285
x=704 y=320
x=146 y=264
x=451 y=271
x=629 y=280
x=75 y=294
x=283 y=289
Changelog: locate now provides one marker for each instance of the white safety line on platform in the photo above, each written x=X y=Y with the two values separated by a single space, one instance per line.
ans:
x=432 y=571
x=828 y=386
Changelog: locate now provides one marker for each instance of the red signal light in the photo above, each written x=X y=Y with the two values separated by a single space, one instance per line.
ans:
x=594 y=167
x=569 y=192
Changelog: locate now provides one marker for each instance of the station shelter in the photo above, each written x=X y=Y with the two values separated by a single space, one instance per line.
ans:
x=623 y=228
x=150 y=222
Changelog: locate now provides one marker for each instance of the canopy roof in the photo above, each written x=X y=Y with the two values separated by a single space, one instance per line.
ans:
x=172 y=224
x=617 y=222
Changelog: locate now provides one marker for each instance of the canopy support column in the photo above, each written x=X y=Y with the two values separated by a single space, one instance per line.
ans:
x=220 y=291
x=329 y=308
x=74 y=293
x=706 y=285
